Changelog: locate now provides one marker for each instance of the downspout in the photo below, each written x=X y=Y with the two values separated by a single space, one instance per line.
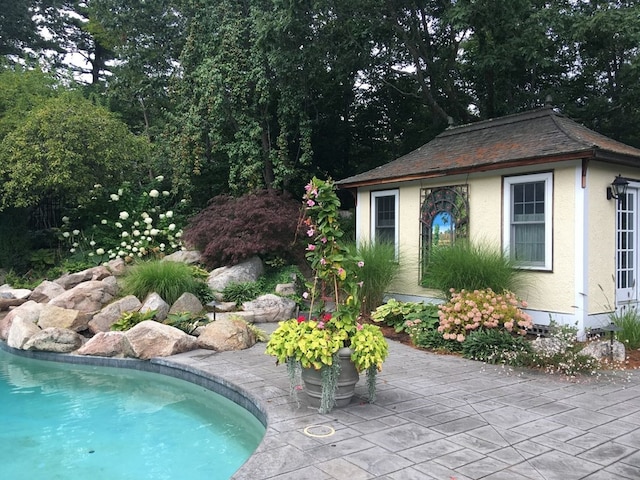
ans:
x=581 y=259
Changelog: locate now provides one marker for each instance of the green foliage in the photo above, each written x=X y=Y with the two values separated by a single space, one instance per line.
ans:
x=258 y=333
x=369 y=348
x=395 y=313
x=377 y=273
x=62 y=148
x=471 y=266
x=167 y=279
x=629 y=321
x=496 y=347
x=232 y=229
x=240 y=292
x=186 y=321
x=129 y=320
x=16 y=240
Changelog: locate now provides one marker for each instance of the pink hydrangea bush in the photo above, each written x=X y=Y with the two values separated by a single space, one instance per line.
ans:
x=467 y=311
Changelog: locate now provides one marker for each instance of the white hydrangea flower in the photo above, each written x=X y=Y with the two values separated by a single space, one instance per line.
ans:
x=169 y=214
x=125 y=234
x=90 y=254
x=92 y=243
x=136 y=233
x=179 y=234
x=161 y=216
x=76 y=232
x=100 y=251
x=123 y=244
x=65 y=219
x=154 y=193
x=123 y=215
x=120 y=191
x=66 y=234
x=165 y=193
x=136 y=223
x=103 y=221
x=148 y=220
x=144 y=215
x=114 y=197
x=160 y=178
x=154 y=231
x=172 y=227
x=118 y=225
x=72 y=250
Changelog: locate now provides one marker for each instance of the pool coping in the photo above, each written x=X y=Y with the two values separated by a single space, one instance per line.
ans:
x=162 y=366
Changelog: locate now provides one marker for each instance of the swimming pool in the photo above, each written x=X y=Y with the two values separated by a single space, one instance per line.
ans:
x=63 y=421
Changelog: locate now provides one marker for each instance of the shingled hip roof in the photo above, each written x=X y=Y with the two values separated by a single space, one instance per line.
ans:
x=535 y=137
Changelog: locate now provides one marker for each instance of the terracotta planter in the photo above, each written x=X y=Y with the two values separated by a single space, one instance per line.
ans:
x=347 y=381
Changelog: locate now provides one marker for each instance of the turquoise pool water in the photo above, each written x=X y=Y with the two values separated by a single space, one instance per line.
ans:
x=64 y=421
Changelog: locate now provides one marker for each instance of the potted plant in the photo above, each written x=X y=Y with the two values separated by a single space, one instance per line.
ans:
x=329 y=347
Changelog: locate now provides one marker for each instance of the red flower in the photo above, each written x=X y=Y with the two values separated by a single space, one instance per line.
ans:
x=326 y=317
x=301 y=319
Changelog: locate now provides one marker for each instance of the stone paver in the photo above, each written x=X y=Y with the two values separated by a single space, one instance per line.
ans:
x=439 y=417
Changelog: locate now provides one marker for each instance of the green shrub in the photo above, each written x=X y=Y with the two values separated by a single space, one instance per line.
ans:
x=379 y=270
x=186 y=321
x=240 y=292
x=468 y=266
x=167 y=279
x=629 y=321
x=131 y=319
x=496 y=346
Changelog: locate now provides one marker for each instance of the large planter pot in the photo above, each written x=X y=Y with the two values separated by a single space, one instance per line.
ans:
x=346 y=384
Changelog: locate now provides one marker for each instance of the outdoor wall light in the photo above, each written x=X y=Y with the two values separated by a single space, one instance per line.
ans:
x=618 y=187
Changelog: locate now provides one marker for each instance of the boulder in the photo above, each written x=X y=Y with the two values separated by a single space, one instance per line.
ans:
x=286 y=289
x=88 y=297
x=155 y=302
x=117 y=267
x=8 y=293
x=53 y=316
x=221 y=306
x=21 y=330
x=150 y=339
x=602 y=350
x=6 y=302
x=270 y=308
x=187 y=303
x=58 y=340
x=548 y=346
x=110 y=314
x=70 y=280
x=46 y=292
x=226 y=334
x=107 y=344
x=29 y=311
x=248 y=317
x=189 y=257
x=247 y=271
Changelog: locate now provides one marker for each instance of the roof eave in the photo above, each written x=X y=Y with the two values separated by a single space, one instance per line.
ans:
x=523 y=162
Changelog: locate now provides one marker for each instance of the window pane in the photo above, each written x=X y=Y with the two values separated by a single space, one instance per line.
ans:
x=528 y=243
x=385 y=218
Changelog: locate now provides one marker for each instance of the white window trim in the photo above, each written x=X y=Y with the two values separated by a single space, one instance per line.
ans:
x=548 y=209
x=386 y=193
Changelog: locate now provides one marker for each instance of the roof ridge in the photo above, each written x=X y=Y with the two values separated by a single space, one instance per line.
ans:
x=570 y=134
x=495 y=122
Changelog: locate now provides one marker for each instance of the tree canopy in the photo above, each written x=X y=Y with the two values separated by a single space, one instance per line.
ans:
x=242 y=95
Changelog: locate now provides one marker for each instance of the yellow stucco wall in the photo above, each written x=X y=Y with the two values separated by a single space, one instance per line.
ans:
x=552 y=291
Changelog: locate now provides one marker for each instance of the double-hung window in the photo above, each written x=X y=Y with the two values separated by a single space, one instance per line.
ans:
x=384 y=217
x=527 y=231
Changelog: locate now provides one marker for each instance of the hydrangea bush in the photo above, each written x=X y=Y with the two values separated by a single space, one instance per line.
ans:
x=128 y=222
x=467 y=311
